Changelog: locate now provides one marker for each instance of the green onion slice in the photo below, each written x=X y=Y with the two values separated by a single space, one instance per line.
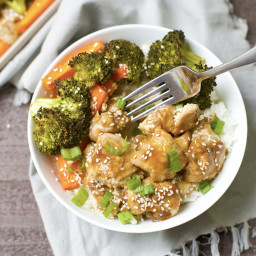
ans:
x=180 y=105
x=106 y=198
x=71 y=153
x=83 y=162
x=134 y=182
x=137 y=131
x=70 y=170
x=205 y=186
x=77 y=170
x=115 y=151
x=217 y=125
x=145 y=190
x=80 y=198
x=173 y=160
x=109 y=209
x=127 y=218
x=121 y=103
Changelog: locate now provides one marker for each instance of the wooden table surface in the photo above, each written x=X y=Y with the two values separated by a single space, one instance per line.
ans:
x=21 y=228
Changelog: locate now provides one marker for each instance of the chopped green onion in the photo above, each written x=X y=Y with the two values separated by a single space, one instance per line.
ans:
x=106 y=198
x=145 y=190
x=204 y=186
x=127 y=218
x=173 y=160
x=83 y=162
x=217 y=125
x=109 y=209
x=137 y=131
x=71 y=153
x=134 y=182
x=80 y=198
x=115 y=151
x=77 y=170
x=149 y=107
x=180 y=105
x=121 y=103
x=70 y=170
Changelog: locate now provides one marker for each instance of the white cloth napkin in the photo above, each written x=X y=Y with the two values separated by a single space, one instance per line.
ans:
x=209 y=22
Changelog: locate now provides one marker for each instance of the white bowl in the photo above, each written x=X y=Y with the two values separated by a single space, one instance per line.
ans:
x=143 y=36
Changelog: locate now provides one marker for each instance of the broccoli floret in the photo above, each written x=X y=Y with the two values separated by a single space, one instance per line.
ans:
x=190 y=59
x=61 y=122
x=203 y=99
x=124 y=52
x=71 y=88
x=173 y=51
x=18 y=6
x=165 y=54
x=92 y=68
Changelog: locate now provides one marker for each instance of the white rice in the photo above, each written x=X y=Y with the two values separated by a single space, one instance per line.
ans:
x=228 y=133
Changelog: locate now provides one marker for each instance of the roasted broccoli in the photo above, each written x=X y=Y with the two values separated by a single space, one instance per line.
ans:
x=165 y=54
x=173 y=51
x=203 y=99
x=124 y=52
x=64 y=121
x=18 y=6
x=71 y=88
x=92 y=68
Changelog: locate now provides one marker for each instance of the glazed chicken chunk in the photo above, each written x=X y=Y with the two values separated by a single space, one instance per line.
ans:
x=109 y=169
x=183 y=141
x=153 y=158
x=161 y=205
x=111 y=120
x=171 y=119
x=186 y=188
x=206 y=155
x=140 y=141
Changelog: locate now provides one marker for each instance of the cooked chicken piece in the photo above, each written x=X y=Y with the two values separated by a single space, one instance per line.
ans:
x=111 y=121
x=153 y=158
x=206 y=155
x=186 y=188
x=109 y=169
x=183 y=141
x=161 y=205
x=171 y=119
x=119 y=195
x=140 y=141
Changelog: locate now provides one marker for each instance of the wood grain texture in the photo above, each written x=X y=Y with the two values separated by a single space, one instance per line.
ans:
x=21 y=228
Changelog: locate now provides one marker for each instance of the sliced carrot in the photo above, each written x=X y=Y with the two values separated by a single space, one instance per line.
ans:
x=98 y=95
x=3 y=47
x=84 y=143
x=33 y=12
x=69 y=180
x=110 y=86
x=63 y=70
x=120 y=73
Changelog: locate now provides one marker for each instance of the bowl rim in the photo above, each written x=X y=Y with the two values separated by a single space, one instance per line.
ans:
x=155 y=227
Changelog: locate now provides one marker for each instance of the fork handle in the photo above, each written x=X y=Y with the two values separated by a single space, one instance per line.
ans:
x=242 y=60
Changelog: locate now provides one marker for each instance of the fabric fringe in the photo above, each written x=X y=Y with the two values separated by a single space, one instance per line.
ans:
x=245 y=243
x=214 y=240
x=235 y=243
x=240 y=237
x=194 y=248
x=186 y=251
x=253 y=232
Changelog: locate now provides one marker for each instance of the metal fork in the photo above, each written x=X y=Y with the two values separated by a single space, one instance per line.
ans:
x=180 y=84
